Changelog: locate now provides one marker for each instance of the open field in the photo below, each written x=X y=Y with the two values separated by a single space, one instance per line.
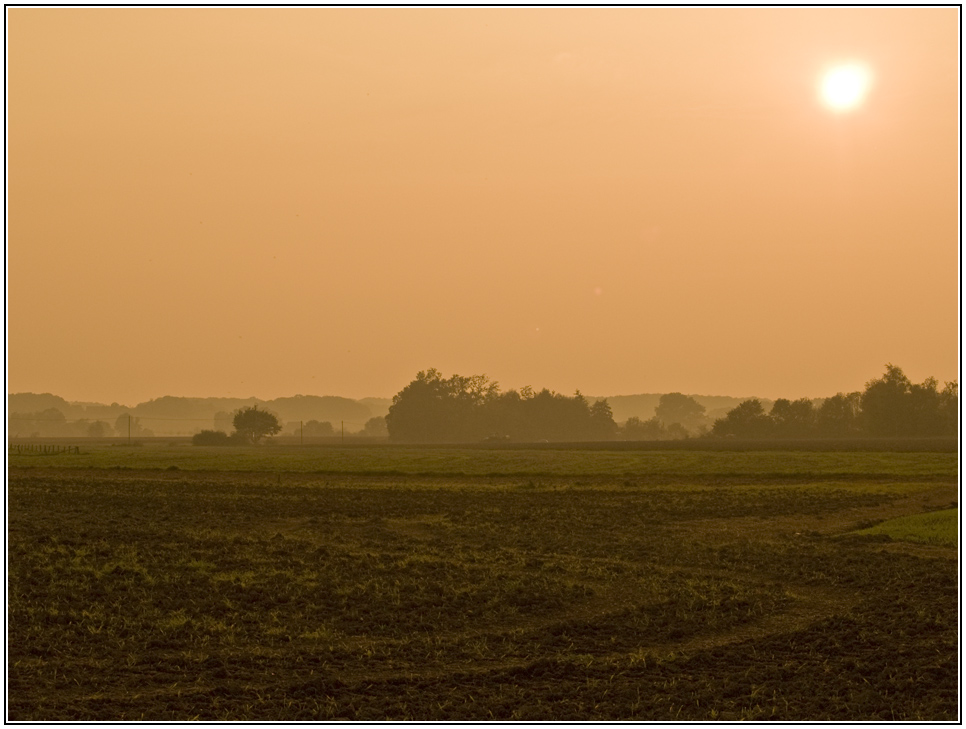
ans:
x=585 y=460
x=173 y=583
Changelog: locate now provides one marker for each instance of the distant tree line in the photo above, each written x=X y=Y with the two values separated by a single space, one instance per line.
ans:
x=890 y=405
x=52 y=423
x=434 y=409
x=431 y=409
x=373 y=427
x=251 y=425
x=47 y=415
x=676 y=416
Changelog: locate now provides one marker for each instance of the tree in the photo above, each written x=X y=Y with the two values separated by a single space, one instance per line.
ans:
x=792 y=419
x=602 y=421
x=430 y=409
x=98 y=429
x=747 y=420
x=677 y=408
x=315 y=429
x=375 y=428
x=839 y=415
x=555 y=417
x=894 y=406
x=924 y=408
x=211 y=437
x=421 y=411
x=637 y=429
x=44 y=423
x=887 y=405
x=676 y=431
x=252 y=424
x=949 y=408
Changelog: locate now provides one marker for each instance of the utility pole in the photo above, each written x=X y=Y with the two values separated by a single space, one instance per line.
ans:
x=129 y=428
x=343 y=432
x=301 y=442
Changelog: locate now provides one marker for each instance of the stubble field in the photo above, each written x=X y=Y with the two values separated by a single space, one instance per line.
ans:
x=468 y=584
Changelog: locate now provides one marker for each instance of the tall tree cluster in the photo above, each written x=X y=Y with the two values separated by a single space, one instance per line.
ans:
x=431 y=409
x=890 y=405
x=434 y=409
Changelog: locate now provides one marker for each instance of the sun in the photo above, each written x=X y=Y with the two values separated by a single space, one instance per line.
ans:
x=844 y=87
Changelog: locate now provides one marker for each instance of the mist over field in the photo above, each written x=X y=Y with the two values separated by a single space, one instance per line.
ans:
x=181 y=415
x=38 y=413
x=465 y=409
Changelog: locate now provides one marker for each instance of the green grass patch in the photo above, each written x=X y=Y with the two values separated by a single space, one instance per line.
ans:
x=936 y=527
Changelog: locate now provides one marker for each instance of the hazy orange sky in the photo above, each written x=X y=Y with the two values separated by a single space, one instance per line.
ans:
x=264 y=202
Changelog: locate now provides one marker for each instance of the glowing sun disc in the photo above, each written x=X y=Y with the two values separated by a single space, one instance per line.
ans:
x=844 y=87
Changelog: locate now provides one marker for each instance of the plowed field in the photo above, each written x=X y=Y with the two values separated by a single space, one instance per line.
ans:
x=690 y=592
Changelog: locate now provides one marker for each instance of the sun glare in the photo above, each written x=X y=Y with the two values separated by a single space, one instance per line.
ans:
x=843 y=88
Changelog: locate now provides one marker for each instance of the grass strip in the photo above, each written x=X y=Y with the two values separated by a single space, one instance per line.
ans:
x=936 y=527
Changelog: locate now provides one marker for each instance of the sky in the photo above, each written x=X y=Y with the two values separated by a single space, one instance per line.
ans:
x=261 y=202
